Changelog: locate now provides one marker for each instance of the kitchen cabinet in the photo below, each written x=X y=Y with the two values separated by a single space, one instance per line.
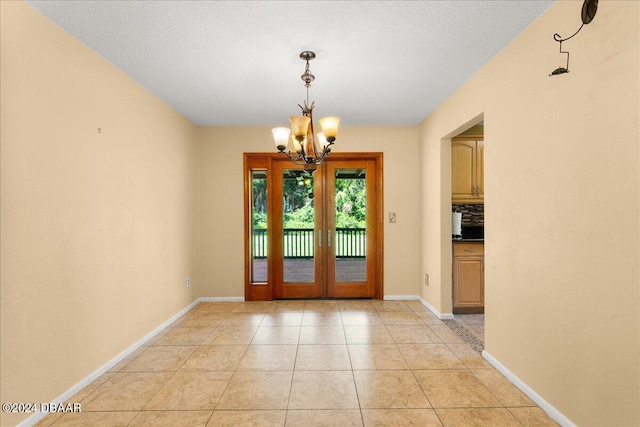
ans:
x=468 y=277
x=467 y=170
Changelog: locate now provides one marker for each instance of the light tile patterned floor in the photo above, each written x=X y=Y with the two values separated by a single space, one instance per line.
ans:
x=306 y=363
x=470 y=328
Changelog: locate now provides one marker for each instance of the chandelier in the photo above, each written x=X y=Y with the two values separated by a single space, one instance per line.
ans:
x=304 y=148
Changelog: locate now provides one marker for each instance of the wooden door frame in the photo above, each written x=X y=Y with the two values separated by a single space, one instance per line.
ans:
x=264 y=291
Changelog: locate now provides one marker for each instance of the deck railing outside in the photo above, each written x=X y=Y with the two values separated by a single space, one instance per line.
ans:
x=299 y=243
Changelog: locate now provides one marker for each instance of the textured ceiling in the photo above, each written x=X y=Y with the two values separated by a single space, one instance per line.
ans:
x=236 y=62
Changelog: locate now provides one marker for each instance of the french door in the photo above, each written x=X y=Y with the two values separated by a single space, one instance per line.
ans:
x=323 y=230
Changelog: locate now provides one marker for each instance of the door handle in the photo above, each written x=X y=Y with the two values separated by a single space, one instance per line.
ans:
x=329 y=238
x=319 y=238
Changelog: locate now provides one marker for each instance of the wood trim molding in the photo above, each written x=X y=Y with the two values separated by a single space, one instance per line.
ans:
x=264 y=292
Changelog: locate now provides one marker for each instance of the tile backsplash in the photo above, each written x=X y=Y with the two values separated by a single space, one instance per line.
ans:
x=472 y=214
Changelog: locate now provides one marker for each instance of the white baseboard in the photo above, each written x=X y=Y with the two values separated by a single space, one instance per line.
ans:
x=400 y=297
x=422 y=300
x=441 y=316
x=558 y=416
x=104 y=368
x=219 y=299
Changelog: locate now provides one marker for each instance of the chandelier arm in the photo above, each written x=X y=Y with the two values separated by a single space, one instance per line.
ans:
x=295 y=160
x=326 y=149
x=315 y=152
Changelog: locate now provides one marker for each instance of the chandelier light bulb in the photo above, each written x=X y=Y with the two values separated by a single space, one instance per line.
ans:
x=297 y=145
x=322 y=139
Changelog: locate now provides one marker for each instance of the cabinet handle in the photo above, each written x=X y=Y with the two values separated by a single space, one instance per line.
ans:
x=469 y=250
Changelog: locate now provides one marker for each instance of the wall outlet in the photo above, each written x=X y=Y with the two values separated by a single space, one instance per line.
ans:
x=392 y=217
x=187 y=282
x=426 y=279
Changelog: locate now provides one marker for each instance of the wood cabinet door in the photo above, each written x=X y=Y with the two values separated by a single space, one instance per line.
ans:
x=467 y=170
x=468 y=283
x=480 y=168
x=463 y=170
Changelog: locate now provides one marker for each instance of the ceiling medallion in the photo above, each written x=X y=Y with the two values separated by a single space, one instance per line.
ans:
x=303 y=148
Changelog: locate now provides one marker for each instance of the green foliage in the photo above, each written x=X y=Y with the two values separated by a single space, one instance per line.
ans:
x=259 y=202
x=259 y=220
x=300 y=218
x=347 y=221
x=351 y=203
x=298 y=207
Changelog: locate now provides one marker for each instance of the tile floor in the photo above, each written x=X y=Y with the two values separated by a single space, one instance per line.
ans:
x=306 y=363
x=474 y=323
x=469 y=327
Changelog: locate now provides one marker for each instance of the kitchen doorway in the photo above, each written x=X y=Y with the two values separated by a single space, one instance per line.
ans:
x=465 y=259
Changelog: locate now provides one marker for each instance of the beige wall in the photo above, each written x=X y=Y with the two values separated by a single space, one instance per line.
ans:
x=221 y=202
x=98 y=229
x=562 y=209
x=94 y=223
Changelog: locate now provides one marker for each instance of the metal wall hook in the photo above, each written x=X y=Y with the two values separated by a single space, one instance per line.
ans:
x=589 y=9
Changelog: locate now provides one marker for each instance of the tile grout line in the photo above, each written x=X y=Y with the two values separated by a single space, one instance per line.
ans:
x=293 y=372
x=416 y=378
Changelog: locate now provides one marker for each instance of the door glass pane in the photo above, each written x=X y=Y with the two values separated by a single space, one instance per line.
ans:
x=259 y=226
x=298 y=226
x=351 y=225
